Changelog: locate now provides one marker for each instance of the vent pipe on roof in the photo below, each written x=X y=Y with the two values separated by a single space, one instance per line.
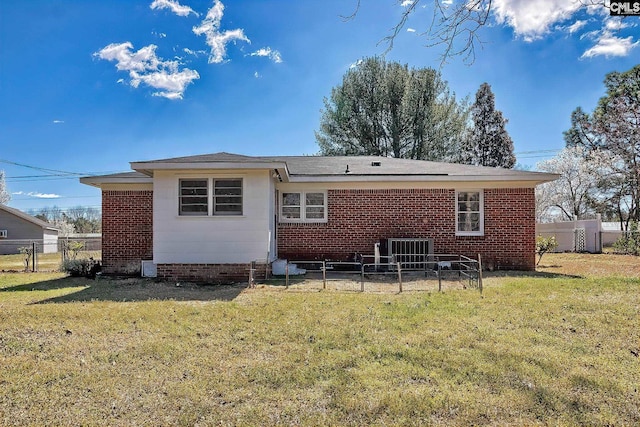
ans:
x=347 y=171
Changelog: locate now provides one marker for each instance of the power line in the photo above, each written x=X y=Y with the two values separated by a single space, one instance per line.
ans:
x=52 y=174
x=55 y=171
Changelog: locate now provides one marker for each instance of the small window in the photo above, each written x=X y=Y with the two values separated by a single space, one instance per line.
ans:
x=227 y=197
x=303 y=207
x=469 y=213
x=3 y=234
x=194 y=197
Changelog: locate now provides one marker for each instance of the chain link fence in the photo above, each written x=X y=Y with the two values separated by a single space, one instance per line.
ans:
x=46 y=255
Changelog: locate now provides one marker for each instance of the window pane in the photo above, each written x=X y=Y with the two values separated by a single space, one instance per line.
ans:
x=468 y=222
x=193 y=197
x=315 y=212
x=315 y=199
x=469 y=206
x=291 y=212
x=290 y=199
x=469 y=196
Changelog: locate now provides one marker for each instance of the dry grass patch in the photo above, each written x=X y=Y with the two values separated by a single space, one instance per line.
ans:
x=591 y=265
x=534 y=350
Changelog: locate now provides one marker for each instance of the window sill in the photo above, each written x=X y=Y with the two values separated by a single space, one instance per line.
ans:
x=204 y=217
x=303 y=222
x=469 y=235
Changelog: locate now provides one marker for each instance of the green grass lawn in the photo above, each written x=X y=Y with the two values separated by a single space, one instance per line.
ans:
x=559 y=347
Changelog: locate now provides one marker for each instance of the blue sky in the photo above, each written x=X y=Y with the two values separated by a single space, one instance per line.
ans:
x=88 y=86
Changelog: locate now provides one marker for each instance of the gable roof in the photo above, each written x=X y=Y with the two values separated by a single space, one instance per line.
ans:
x=344 y=168
x=29 y=218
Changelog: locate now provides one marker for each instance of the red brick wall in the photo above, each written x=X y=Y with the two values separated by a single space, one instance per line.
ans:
x=127 y=229
x=357 y=219
x=209 y=273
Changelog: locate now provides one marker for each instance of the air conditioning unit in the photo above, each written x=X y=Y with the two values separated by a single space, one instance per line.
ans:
x=3 y=234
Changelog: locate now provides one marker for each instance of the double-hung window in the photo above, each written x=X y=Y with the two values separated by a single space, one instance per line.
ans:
x=210 y=196
x=303 y=206
x=469 y=213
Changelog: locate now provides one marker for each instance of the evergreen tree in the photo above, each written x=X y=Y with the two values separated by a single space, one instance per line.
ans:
x=386 y=109
x=489 y=144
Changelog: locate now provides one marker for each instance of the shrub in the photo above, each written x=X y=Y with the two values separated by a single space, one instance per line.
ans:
x=544 y=245
x=629 y=242
x=81 y=267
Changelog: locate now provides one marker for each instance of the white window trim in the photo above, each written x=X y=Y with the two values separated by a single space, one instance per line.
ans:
x=303 y=208
x=3 y=234
x=210 y=196
x=471 y=233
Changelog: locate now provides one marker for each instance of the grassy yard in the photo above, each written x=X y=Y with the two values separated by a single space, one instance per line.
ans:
x=556 y=347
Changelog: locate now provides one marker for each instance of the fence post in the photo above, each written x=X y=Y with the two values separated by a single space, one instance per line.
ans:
x=399 y=277
x=439 y=278
x=362 y=278
x=480 y=273
x=252 y=269
x=286 y=275
x=34 y=256
x=324 y=274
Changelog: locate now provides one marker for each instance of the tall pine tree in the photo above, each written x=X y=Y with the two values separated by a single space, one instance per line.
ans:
x=489 y=144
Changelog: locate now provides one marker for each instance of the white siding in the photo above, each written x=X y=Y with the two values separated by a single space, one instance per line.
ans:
x=212 y=239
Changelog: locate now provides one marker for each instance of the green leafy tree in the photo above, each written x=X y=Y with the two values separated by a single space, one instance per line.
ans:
x=613 y=129
x=386 y=109
x=488 y=144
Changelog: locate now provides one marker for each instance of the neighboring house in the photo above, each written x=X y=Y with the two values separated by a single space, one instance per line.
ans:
x=17 y=229
x=207 y=217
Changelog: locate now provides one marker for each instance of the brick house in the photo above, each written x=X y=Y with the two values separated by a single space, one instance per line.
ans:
x=207 y=217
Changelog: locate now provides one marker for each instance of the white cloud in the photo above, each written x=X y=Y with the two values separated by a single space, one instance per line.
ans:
x=195 y=53
x=411 y=30
x=609 y=45
x=616 y=24
x=144 y=66
x=406 y=3
x=58 y=122
x=274 y=55
x=576 y=26
x=532 y=19
x=256 y=75
x=37 y=195
x=174 y=6
x=216 y=40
